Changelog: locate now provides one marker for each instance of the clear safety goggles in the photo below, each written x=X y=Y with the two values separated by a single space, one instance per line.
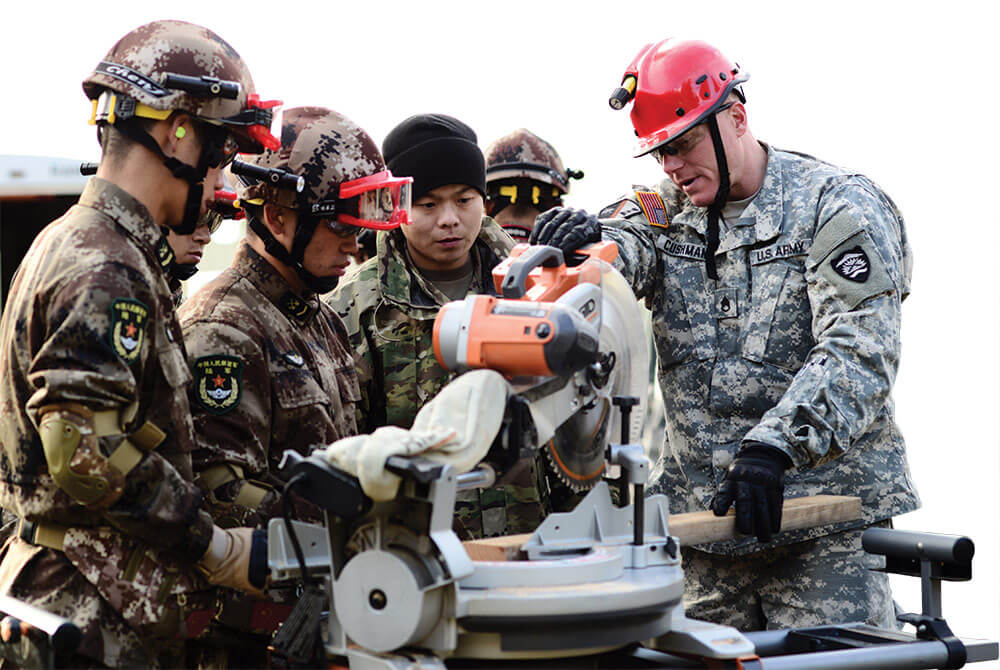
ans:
x=379 y=201
x=686 y=141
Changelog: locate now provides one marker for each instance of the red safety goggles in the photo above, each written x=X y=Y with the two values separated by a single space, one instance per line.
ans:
x=379 y=201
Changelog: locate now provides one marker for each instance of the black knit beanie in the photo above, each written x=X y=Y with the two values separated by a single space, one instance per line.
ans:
x=435 y=150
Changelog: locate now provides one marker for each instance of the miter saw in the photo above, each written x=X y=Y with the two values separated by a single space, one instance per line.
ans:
x=600 y=586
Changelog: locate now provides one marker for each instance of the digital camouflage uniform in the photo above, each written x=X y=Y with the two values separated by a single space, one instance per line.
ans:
x=796 y=345
x=389 y=310
x=90 y=321
x=272 y=365
x=272 y=371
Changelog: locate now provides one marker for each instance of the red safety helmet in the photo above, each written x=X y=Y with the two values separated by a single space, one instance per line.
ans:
x=677 y=84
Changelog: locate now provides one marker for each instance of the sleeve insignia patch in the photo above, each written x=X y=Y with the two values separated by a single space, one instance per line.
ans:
x=217 y=382
x=653 y=207
x=294 y=358
x=620 y=209
x=128 y=328
x=294 y=306
x=852 y=265
x=164 y=254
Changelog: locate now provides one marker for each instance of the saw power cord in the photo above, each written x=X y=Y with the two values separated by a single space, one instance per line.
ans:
x=286 y=515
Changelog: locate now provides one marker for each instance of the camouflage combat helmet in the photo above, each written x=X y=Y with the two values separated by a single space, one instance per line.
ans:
x=329 y=170
x=522 y=154
x=168 y=66
x=522 y=169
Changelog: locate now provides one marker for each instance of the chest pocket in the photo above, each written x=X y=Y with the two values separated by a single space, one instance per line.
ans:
x=345 y=376
x=297 y=388
x=684 y=322
x=779 y=323
x=347 y=381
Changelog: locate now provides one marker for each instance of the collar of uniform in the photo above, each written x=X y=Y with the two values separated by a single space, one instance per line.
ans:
x=117 y=204
x=401 y=282
x=297 y=307
x=760 y=221
x=764 y=212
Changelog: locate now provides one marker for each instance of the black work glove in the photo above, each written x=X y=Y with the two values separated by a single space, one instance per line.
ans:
x=756 y=483
x=568 y=229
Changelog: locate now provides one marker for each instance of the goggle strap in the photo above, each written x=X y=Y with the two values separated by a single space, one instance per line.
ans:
x=529 y=167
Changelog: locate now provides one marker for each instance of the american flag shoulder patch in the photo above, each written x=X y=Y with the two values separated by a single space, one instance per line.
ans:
x=653 y=207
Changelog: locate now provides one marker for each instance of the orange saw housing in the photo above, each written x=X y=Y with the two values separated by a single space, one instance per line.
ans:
x=525 y=333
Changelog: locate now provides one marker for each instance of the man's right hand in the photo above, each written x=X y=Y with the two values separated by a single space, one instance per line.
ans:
x=567 y=229
x=228 y=560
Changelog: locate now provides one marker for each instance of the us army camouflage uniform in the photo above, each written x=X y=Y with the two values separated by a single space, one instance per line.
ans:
x=796 y=345
x=272 y=371
x=389 y=310
x=90 y=321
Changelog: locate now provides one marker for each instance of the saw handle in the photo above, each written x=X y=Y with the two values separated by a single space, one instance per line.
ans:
x=515 y=283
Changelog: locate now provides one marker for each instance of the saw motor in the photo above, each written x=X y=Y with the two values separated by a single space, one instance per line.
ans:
x=566 y=339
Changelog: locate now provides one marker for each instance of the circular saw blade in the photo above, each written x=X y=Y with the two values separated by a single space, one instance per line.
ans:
x=576 y=454
x=577 y=451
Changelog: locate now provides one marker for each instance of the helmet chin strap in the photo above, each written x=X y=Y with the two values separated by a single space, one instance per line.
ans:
x=194 y=176
x=295 y=258
x=183 y=271
x=721 y=196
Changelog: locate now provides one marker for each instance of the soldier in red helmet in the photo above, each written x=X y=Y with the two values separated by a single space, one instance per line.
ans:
x=775 y=281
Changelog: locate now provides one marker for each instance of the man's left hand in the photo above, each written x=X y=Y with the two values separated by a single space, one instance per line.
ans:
x=756 y=483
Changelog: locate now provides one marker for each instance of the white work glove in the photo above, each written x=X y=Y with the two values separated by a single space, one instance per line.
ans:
x=227 y=560
x=456 y=427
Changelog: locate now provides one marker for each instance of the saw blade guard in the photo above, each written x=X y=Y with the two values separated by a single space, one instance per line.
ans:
x=621 y=331
x=573 y=435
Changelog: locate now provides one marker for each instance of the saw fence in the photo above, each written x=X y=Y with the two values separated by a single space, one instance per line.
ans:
x=699 y=527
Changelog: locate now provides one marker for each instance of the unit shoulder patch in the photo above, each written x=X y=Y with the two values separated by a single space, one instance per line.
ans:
x=853 y=264
x=855 y=270
x=218 y=382
x=128 y=328
x=622 y=208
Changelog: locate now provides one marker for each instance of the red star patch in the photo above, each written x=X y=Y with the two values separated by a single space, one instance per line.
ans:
x=218 y=381
x=130 y=330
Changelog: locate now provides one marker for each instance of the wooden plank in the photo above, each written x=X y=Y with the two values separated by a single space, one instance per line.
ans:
x=700 y=527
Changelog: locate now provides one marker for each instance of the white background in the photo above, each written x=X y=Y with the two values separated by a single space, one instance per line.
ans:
x=902 y=91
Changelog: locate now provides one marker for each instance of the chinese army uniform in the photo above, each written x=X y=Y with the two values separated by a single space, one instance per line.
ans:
x=111 y=520
x=272 y=371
